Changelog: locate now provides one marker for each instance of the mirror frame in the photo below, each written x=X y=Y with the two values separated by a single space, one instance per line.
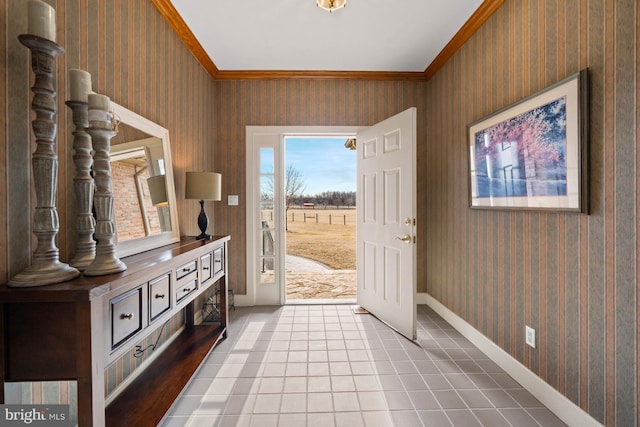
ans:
x=142 y=244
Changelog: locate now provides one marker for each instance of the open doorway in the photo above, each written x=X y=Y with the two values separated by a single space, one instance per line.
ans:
x=266 y=213
x=386 y=218
x=320 y=219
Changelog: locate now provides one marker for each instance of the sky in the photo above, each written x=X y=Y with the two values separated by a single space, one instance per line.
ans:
x=325 y=164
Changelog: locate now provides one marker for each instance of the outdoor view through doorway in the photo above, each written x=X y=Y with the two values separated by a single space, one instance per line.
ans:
x=320 y=207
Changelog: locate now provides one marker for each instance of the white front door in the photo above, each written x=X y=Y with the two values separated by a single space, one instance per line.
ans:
x=386 y=228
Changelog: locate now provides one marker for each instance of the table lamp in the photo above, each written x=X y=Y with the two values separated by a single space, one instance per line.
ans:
x=158 y=190
x=203 y=186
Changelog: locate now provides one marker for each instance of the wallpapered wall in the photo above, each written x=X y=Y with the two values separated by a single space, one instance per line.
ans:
x=295 y=103
x=137 y=60
x=571 y=277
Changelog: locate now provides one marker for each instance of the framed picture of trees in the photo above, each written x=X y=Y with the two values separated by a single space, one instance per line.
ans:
x=533 y=154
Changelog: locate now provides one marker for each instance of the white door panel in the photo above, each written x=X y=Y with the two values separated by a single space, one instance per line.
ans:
x=392 y=276
x=386 y=194
x=392 y=193
x=369 y=274
x=369 y=205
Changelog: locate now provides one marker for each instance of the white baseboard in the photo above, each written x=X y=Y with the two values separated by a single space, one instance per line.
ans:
x=421 y=298
x=242 y=301
x=557 y=403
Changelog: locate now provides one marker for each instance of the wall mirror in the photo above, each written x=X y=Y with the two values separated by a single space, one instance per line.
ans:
x=143 y=187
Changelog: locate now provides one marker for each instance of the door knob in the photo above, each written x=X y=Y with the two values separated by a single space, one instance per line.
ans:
x=406 y=238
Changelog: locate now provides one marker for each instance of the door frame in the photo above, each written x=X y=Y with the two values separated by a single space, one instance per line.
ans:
x=254 y=295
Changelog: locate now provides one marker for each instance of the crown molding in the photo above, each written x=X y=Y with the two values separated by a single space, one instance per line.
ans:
x=479 y=17
x=319 y=75
x=171 y=15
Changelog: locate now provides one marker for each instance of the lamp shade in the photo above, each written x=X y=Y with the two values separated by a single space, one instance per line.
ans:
x=203 y=186
x=158 y=190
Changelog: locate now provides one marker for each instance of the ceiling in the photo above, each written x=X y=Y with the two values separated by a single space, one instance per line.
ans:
x=295 y=38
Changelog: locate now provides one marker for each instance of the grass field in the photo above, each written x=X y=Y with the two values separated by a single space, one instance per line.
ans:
x=331 y=244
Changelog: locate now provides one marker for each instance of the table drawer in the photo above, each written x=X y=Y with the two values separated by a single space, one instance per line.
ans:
x=186 y=269
x=186 y=289
x=206 y=265
x=159 y=296
x=218 y=261
x=126 y=316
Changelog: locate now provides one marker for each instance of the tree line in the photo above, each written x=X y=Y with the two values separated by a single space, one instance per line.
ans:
x=295 y=197
x=326 y=198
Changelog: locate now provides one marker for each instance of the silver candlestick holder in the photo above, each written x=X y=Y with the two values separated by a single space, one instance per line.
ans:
x=84 y=187
x=105 y=261
x=45 y=267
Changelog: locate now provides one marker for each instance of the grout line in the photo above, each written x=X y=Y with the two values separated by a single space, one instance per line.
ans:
x=259 y=328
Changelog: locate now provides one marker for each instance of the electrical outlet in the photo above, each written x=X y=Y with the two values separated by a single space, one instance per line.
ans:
x=530 y=336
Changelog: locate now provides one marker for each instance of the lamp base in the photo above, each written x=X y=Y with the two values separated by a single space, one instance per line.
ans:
x=203 y=222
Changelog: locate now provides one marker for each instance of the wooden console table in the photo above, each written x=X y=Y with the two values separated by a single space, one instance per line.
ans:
x=74 y=330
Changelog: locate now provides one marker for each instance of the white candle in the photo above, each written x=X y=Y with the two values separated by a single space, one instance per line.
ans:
x=99 y=102
x=80 y=85
x=99 y=115
x=42 y=20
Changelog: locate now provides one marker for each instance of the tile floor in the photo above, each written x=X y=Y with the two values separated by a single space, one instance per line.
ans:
x=323 y=365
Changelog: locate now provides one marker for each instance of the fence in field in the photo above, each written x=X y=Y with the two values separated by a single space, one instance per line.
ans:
x=333 y=217
x=317 y=218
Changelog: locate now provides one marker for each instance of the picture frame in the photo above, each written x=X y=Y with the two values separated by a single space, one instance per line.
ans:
x=533 y=154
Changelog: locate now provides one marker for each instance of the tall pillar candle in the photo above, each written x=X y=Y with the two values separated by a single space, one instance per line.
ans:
x=45 y=267
x=42 y=20
x=83 y=182
x=99 y=111
x=79 y=85
x=106 y=261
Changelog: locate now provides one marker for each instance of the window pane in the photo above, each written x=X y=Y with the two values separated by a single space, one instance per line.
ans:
x=266 y=188
x=267 y=274
x=266 y=160
x=267 y=246
x=267 y=231
x=267 y=223
x=266 y=216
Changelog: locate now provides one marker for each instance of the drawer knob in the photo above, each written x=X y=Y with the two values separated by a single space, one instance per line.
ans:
x=186 y=269
x=186 y=290
x=205 y=268
x=159 y=296
x=127 y=316
x=218 y=261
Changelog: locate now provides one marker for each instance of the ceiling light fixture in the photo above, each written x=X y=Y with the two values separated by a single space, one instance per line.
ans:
x=331 y=5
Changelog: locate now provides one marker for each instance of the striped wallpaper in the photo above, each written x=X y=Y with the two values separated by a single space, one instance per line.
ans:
x=571 y=277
